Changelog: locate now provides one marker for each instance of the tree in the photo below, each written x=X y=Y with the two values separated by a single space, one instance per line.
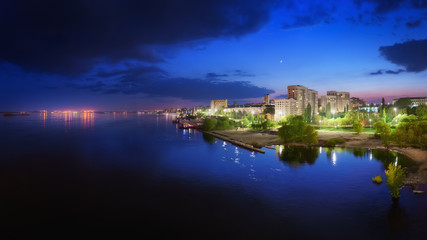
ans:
x=421 y=110
x=250 y=117
x=307 y=113
x=310 y=135
x=328 y=110
x=395 y=176
x=383 y=130
x=209 y=124
x=296 y=130
x=358 y=127
x=269 y=110
x=402 y=104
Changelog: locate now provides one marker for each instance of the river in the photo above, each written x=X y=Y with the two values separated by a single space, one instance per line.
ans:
x=65 y=175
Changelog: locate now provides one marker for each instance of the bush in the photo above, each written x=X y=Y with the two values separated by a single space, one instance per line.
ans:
x=310 y=135
x=223 y=123
x=209 y=124
x=334 y=141
x=411 y=134
x=358 y=127
x=382 y=130
x=296 y=130
x=377 y=180
x=395 y=177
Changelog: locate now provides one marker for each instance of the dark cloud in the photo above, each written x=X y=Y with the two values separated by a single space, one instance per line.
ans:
x=394 y=72
x=379 y=72
x=157 y=83
x=215 y=75
x=241 y=73
x=385 y=6
x=413 y=24
x=411 y=54
x=309 y=14
x=71 y=37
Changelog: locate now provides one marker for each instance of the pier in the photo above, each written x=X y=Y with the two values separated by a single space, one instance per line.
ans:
x=234 y=142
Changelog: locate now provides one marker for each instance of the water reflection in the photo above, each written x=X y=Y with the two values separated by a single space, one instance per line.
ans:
x=297 y=155
x=387 y=157
x=397 y=219
x=208 y=138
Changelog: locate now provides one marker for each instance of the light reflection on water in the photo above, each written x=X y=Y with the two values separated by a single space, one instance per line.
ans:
x=149 y=160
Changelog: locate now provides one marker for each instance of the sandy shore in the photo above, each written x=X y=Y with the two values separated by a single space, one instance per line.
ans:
x=366 y=140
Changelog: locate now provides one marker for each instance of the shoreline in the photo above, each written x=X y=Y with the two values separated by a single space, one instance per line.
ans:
x=255 y=140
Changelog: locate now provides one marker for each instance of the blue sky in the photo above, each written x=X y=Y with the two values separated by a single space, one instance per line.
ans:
x=135 y=55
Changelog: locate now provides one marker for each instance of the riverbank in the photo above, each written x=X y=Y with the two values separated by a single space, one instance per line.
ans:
x=259 y=139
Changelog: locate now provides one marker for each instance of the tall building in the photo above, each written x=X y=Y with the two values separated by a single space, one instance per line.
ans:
x=339 y=101
x=303 y=97
x=283 y=107
x=217 y=104
x=267 y=99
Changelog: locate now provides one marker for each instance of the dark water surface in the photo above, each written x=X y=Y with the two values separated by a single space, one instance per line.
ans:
x=101 y=175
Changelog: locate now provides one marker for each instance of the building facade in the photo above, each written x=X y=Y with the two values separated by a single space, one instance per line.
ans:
x=303 y=97
x=416 y=101
x=339 y=101
x=283 y=107
x=217 y=104
x=267 y=99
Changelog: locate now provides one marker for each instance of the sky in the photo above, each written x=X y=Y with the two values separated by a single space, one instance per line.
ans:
x=141 y=55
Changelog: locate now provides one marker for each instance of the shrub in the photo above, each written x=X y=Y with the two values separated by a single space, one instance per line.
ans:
x=209 y=124
x=358 y=127
x=334 y=141
x=382 y=130
x=296 y=130
x=395 y=177
x=310 y=135
x=377 y=179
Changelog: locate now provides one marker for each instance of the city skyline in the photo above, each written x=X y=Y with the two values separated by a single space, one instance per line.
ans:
x=133 y=55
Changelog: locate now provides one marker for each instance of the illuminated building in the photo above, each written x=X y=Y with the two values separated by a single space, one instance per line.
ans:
x=304 y=96
x=218 y=104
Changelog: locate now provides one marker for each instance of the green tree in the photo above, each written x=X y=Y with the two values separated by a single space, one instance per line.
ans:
x=209 y=124
x=269 y=110
x=395 y=176
x=250 y=117
x=383 y=130
x=295 y=130
x=328 y=110
x=421 y=110
x=307 y=113
x=357 y=127
x=402 y=104
x=223 y=123
x=310 y=135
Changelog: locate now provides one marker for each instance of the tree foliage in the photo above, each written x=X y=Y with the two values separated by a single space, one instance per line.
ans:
x=307 y=113
x=209 y=124
x=395 y=176
x=297 y=130
x=357 y=127
x=383 y=130
x=412 y=133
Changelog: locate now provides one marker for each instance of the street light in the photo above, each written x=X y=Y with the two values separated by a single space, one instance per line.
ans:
x=370 y=123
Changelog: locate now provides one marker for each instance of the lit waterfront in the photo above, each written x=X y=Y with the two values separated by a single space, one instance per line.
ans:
x=129 y=171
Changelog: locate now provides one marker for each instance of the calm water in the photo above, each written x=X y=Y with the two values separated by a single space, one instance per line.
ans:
x=128 y=174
